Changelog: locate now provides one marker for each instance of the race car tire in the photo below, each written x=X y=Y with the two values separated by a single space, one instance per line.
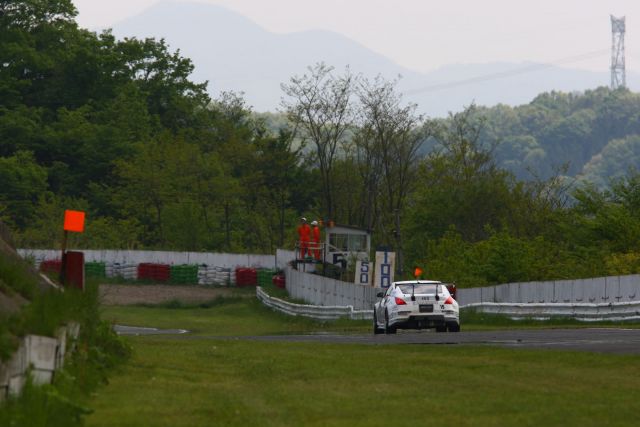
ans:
x=376 y=329
x=453 y=326
x=388 y=329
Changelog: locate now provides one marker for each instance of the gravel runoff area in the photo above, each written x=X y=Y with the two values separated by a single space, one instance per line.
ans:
x=156 y=294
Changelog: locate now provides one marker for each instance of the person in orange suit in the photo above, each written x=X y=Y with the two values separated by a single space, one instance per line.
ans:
x=304 y=236
x=316 y=240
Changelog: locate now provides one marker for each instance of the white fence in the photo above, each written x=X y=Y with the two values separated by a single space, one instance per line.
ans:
x=131 y=257
x=39 y=356
x=320 y=290
x=599 y=290
x=313 y=311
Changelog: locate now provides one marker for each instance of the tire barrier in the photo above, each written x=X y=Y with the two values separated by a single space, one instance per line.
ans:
x=265 y=277
x=52 y=266
x=279 y=281
x=317 y=312
x=154 y=272
x=95 y=269
x=216 y=276
x=183 y=274
x=246 y=277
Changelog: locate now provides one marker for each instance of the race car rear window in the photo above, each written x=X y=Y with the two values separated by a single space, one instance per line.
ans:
x=419 y=289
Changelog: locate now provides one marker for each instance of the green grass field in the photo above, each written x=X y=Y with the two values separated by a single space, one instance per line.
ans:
x=225 y=317
x=200 y=381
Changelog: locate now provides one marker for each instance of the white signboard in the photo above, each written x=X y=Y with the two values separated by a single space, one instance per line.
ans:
x=385 y=265
x=364 y=273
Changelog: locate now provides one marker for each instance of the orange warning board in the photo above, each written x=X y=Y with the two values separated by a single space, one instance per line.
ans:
x=74 y=221
x=417 y=272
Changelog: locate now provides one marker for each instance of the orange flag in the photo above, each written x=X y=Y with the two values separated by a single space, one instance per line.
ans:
x=74 y=221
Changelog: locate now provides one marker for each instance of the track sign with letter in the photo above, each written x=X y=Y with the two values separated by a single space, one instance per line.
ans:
x=385 y=265
x=364 y=273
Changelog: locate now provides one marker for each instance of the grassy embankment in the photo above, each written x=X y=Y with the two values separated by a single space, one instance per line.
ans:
x=202 y=381
x=31 y=307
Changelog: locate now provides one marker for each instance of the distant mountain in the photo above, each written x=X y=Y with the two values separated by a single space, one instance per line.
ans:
x=234 y=53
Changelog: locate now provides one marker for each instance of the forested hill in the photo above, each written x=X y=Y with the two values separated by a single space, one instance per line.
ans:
x=119 y=129
x=596 y=133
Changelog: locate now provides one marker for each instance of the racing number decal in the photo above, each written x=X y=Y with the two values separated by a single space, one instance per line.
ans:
x=385 y=272
x=338 y=258
x=364 y=272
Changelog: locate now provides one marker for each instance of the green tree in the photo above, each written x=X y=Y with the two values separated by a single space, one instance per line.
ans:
x=23 y=181
x=319 y=106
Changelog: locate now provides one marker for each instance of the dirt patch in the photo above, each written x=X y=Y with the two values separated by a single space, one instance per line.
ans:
x=156 y=294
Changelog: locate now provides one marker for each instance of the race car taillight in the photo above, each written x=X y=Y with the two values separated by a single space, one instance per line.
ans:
x=449 y=301
x=400 y=301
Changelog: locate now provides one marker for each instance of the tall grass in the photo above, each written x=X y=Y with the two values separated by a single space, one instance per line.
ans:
x=97 y=351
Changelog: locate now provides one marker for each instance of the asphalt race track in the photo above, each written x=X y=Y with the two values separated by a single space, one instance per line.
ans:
x=603 y=340
x=623 y=341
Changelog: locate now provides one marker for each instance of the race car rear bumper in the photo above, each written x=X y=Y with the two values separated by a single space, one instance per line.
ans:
x=414 y=320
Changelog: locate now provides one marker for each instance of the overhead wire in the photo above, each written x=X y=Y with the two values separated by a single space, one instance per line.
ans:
x=509 y=73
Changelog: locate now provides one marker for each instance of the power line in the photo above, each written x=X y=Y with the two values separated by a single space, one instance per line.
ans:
x=505 y=74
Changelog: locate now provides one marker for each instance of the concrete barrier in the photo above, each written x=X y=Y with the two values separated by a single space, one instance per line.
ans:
x=319 y=290
x=617 y=311
x=592 y=291
x=598 y=298
x=37 y=356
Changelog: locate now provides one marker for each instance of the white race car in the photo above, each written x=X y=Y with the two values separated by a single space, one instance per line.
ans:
x=416 y=304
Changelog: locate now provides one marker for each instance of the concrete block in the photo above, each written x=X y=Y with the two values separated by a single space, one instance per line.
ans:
x=537 y=292
x=578 y=294
x=61 y=335
x=41 y=352
x=469 y=296
x=594 y=290
x=17 y=365
x=16 y=384
x=488 y=294
x=4 y=382
x=611 y=289
x=526 y=292
x=629 y=288
x=519 y=297
x=501 y=293
x=40 y=376
x=563 y=291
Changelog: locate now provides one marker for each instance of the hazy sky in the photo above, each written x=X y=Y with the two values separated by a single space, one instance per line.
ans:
x=425 y=34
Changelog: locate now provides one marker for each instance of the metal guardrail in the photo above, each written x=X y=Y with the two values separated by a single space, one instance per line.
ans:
x=622 y=311
x=317 y=312
x=615 y=311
